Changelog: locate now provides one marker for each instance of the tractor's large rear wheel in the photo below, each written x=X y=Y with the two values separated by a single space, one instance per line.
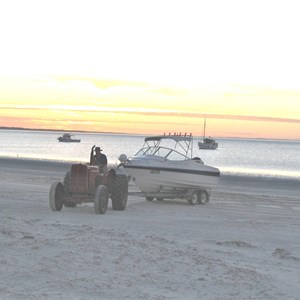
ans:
x=101 y=199
x=56 y=196
x=119 y=192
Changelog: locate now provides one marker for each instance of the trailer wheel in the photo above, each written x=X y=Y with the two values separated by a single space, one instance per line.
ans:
x=160 y=199
x=203 y=197
x=194 y=198
x=119 y=192
x=56 y=196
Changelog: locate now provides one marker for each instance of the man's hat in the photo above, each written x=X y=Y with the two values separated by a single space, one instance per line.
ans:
x=98 y=149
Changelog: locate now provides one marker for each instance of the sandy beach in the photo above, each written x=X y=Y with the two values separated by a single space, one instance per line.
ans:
x=243 y=244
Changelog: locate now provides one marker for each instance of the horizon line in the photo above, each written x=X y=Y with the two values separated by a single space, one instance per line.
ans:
x=129 y=133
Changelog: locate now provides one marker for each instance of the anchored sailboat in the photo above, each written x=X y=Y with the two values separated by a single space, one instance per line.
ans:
x=207 y=143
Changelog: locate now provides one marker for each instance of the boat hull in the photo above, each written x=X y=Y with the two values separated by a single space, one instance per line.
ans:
x=184 y=175
x=207 y=146
x=68 y=140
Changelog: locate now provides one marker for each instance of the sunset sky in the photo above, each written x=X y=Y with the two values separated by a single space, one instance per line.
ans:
x=152 y=66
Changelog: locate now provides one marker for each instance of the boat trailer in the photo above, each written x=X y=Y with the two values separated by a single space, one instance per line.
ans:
x=193 y=196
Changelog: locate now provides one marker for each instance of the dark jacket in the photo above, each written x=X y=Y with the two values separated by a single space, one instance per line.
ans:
x=99 y=160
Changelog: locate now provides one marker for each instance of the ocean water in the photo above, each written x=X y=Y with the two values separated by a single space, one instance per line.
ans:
x=251 y=157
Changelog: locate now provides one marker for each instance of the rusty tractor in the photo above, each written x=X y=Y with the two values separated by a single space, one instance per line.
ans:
x=83 y=184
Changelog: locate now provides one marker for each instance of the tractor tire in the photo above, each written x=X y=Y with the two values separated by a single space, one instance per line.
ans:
x=56 y=196
x=119 y=192
x=101 y=199
x=67 y=182
x=67 y=189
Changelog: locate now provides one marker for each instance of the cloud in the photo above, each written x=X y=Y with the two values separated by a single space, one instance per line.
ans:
x=147 y=112
x=103 y=83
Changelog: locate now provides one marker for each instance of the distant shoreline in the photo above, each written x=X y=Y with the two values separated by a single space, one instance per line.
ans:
x=59 y=130
x=138 y=134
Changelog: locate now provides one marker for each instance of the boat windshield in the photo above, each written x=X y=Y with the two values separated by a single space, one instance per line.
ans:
x=164 y=152
x=172 y=147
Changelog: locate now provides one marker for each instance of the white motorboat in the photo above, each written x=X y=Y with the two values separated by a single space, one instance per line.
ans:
x=67 y=138
x=165 y=168
x=207 y=143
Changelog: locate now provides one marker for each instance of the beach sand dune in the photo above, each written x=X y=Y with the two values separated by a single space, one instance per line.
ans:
x=243 y=244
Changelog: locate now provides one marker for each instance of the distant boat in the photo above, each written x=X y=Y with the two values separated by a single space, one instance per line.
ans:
x=207 y=143
x=67 y=138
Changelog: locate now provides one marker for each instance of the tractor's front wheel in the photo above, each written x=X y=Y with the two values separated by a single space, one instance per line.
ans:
x=101 y=199
x=119 y=192
x=56 y=196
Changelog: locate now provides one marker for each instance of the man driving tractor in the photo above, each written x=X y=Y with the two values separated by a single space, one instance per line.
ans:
x=98 y=159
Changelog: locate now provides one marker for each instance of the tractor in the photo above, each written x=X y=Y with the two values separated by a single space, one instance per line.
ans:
x=87 y=183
